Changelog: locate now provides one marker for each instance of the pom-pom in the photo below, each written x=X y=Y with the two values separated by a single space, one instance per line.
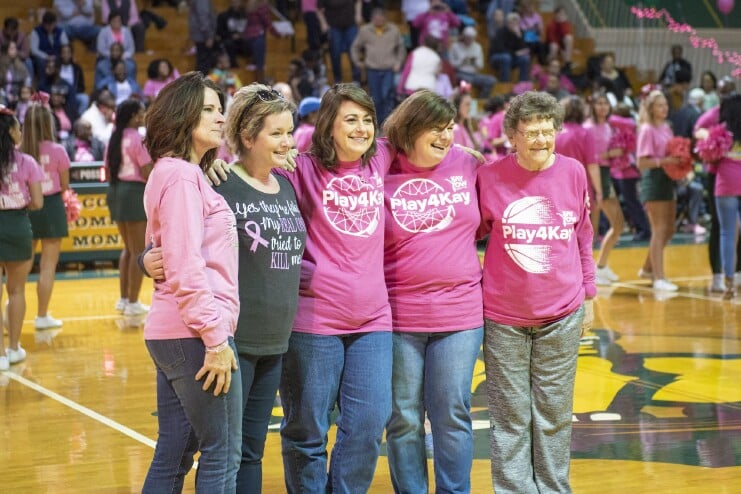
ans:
x=715 y=146
x=72 y=205
x=623 y=137
x=678 y=147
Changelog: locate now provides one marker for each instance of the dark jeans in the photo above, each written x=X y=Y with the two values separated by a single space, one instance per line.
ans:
x=503 y=63
x=260 y=380
x=191 y=420
x=381 y=89
x=340 y=41
x=634 y=212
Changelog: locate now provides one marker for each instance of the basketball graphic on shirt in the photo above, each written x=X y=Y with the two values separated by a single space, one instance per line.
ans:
x=525 y=227
x=352 y=205
x=417 y=206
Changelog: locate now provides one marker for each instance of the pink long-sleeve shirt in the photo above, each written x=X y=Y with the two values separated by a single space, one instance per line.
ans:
x=538 y=265
x=197 y=232
x=431 y=264
x=342 y=288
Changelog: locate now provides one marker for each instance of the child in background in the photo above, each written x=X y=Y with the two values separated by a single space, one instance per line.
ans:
x=307 y=120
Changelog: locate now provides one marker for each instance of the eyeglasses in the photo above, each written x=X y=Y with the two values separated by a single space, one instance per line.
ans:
x=531 y=135
x=267 y=95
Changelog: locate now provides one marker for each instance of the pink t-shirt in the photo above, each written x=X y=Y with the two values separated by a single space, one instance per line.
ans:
x=600 y=137
x=463 y=138
x=576 y=142
x=342 y=289
x=432 y=267
x=302 y=137
x=133 y=157
x=14 y=189
x=651 y=140
x=197 y=232
x=53 y=159
x=538 y=265
x=728 y=178
x=437 y=25
x=153 y=87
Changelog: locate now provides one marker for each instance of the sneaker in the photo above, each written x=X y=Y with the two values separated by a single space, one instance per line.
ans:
x=665 y=286
x=4 y=363
x=699 y=229
x=600 y=279
x=647 y=275
x=717 y=285
x=121 y=304
x=135 y=309
x=607 y=273
x=737 y=279
x=15 y=356
x=47 y=322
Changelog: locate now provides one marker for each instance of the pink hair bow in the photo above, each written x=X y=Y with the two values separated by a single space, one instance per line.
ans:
x=40 y=97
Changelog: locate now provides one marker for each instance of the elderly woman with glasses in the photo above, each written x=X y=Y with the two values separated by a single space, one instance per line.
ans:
x=538 y=283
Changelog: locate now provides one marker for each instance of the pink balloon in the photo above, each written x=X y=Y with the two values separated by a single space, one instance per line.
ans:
x=725 y=6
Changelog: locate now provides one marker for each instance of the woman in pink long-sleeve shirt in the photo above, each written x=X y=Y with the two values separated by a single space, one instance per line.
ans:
x=190 y=327
x=538 y=283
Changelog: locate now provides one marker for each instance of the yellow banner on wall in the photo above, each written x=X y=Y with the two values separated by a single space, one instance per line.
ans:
x=93 y=230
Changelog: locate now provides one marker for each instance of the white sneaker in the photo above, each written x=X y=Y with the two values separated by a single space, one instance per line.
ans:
x=717 y=285
x=4 y=363
x=121 y=304
x=15 y=356
x=607 y=273
x=600 y=279
x=646 y=275
x=664 y=285
x=135 y=309
x=737 y=278
x=47 y=322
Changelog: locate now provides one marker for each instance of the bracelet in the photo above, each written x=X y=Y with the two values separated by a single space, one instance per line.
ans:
x=218 y=348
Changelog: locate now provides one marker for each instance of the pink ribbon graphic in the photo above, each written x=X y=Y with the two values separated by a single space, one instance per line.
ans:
x=255 y=235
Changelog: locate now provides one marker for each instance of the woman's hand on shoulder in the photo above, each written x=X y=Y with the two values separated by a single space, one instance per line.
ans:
x=218 y=172
x=290 y=164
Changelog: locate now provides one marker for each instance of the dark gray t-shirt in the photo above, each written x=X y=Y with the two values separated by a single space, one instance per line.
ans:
x=271 y=236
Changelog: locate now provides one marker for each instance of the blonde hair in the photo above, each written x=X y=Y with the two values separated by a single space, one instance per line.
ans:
x=248 y=111
x=645 y=112
x=38 y=126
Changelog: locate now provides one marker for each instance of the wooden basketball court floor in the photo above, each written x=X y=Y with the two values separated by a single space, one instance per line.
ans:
x=657 y=402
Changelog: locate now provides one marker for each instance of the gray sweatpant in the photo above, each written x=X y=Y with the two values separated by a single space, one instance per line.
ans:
x=530 y=374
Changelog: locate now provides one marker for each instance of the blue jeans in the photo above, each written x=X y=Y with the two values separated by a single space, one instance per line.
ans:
x=434 y=369
x=319 y=372
x=483 y=83
x=257 y=48
x=340 y=41
x=381 y=89
x=190 y=420
x=634 y=211
x=260 y=379
x=503 y=63
x=729 y=209
x=87 y=33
